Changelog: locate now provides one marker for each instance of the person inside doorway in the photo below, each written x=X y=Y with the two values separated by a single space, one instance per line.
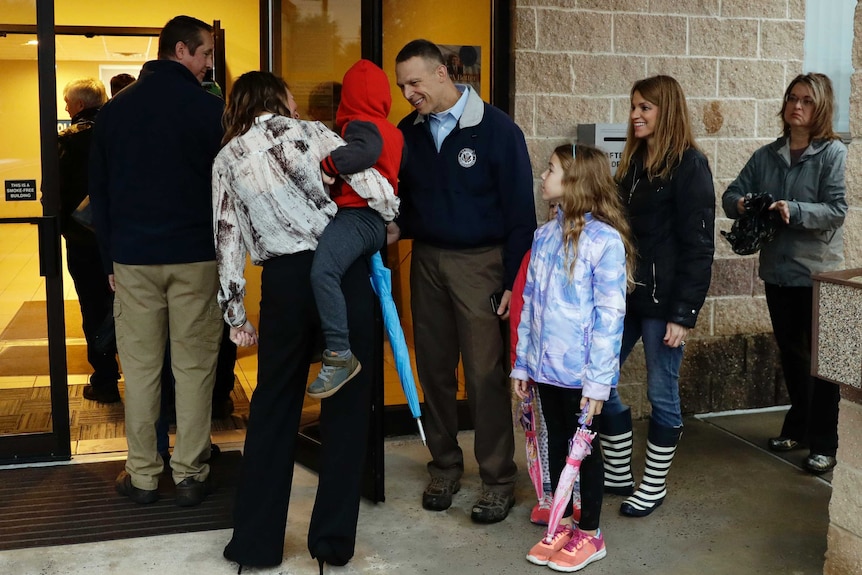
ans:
x=84 y=97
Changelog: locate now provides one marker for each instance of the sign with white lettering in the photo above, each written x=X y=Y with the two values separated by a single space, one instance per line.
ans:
x=20 y=190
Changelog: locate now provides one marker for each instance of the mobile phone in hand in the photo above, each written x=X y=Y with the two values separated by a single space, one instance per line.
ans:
x=495 y=301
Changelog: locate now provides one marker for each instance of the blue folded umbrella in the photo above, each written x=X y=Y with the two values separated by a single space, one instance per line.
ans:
x=381 y=281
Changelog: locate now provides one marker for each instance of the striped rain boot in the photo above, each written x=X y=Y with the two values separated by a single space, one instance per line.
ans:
x=615 y=433
x=661 y=447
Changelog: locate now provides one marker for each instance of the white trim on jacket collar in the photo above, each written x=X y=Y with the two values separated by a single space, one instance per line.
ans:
x=474 y=111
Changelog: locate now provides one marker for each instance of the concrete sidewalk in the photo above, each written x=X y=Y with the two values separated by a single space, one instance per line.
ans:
x=732 y=508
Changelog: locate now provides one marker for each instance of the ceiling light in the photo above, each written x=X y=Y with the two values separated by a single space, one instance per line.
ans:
x=32 y=43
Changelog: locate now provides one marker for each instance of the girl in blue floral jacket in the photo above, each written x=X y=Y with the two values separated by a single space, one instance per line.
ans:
x=571 y=328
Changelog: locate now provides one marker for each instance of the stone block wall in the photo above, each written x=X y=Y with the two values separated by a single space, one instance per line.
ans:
x=575 y=62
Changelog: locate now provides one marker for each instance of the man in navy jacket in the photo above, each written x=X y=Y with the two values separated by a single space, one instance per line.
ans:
x=466 y=189
x=150 y=166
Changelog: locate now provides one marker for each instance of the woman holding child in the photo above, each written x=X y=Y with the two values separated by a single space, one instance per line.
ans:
x=270 y=202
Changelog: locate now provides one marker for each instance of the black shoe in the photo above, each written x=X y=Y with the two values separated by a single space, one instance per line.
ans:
x=492 y=507
x=782 y=444
x=438 y=494
x=102 y=395
x=222 y=409
x=817 y=463
x=191 y=492
x=124 y=487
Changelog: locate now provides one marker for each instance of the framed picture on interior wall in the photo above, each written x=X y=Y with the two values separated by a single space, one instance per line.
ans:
x=464 y=64
x=108 y=71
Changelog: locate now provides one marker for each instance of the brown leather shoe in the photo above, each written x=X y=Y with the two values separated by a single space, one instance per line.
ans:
x=492 y=507
x=124 y=487
x=191 y=492
x=438 y=493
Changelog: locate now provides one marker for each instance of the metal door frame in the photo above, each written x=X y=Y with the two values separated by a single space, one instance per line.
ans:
x=56 y=444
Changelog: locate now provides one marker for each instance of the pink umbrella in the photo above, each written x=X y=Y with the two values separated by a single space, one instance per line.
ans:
x=579 y=448
x=527 y=418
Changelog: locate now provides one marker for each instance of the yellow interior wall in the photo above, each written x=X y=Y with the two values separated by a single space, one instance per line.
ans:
x=18 y=12
x=19 y=144
x=19 y=111
x=431 y=20
x=240 y=20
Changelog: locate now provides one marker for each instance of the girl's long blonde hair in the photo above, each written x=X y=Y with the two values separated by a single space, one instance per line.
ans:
x=589 y=187
x=672 y=136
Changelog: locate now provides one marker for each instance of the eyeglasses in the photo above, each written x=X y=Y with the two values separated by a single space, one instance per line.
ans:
x=792 y=99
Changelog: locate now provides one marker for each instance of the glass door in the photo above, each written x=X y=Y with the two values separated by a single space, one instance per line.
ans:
x=311 y=43
x=34 y=412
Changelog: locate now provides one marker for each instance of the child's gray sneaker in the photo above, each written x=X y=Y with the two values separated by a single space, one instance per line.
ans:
x=334 y=373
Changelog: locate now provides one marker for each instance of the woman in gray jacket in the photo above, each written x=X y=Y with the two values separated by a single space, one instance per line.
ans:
x=804 y=172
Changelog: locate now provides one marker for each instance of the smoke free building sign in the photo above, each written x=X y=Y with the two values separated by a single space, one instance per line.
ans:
x=20 y=190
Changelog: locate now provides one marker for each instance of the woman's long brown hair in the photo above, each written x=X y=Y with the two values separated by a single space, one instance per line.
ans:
x=253 y=94
x=672 y=136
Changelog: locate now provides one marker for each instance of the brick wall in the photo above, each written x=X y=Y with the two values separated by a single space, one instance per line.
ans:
x=575 y=62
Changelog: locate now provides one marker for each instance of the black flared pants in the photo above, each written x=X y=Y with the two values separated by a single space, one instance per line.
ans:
x=289 y=329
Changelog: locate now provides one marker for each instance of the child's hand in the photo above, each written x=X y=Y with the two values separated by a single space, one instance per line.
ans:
x=327 y=179
x=244 y=335
x=595 y=408
x=393 y=233
x=520 y=387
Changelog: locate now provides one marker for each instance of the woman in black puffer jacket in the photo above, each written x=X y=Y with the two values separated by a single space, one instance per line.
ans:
x=666 y=184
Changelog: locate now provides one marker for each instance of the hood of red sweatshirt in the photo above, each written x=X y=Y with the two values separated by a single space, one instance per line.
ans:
x=365 y=94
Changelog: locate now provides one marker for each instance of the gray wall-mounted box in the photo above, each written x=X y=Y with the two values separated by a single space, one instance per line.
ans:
x=608 y=137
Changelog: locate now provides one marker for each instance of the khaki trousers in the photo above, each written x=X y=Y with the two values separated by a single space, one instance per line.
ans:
x=152 y=301
x=452 y=319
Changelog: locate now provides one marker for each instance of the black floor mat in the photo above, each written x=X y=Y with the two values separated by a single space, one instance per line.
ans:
x=65 y=504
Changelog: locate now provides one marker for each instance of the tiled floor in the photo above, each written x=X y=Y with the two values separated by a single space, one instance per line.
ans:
x=20 y=282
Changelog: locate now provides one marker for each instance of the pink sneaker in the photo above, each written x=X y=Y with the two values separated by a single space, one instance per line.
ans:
x=542 y=551
x=580 y=551
x=541 y=513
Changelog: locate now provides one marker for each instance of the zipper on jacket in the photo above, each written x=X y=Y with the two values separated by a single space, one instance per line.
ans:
x=632 y=190
x=654 y=284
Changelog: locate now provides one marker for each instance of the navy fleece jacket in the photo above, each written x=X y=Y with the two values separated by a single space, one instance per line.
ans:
x=476 y=191
x=150 y=169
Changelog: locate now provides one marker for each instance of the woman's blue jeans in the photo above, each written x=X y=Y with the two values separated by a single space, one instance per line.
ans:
x=662 y=363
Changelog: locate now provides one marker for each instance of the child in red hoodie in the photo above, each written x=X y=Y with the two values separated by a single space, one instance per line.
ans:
x=357 y=229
